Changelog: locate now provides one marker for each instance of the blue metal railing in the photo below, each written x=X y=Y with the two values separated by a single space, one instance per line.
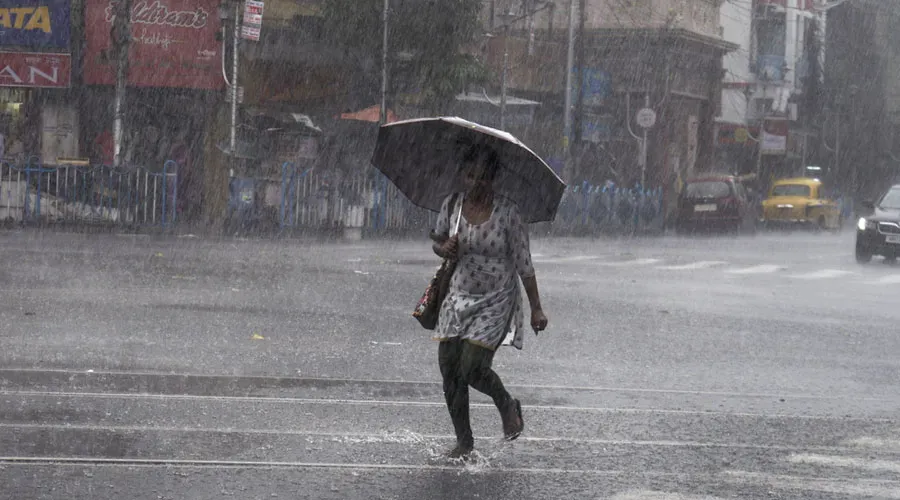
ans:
x=99 y=193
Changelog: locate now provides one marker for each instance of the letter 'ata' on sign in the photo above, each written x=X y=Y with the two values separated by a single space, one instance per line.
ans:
x=26 y=18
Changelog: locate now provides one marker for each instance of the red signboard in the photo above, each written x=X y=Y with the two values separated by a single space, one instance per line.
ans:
x=32 y=69
x=173 y=44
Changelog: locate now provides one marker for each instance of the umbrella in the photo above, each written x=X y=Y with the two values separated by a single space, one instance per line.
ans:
x=422 y=157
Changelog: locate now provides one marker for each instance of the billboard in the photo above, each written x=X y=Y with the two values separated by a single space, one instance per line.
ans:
x=35 y=24
x=774 y=136
x=173 y=44
x=36 y=70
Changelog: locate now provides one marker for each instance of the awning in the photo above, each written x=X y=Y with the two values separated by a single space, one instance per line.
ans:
x=370 y=114
x=270 y=120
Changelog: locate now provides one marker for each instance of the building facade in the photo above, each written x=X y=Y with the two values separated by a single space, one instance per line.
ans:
x=663 y=55
x=767 y=124
x=862 y=95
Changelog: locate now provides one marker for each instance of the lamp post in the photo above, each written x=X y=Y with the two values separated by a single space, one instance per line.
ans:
x=230 y=10
x=508 y=18
x=121 y=40
x=384 y=62
x=567 y=113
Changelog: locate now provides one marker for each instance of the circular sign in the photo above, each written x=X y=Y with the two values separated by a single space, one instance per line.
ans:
x=741 y=135
x=646 y=118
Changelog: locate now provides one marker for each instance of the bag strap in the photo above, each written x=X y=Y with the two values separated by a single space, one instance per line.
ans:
x=458 y=213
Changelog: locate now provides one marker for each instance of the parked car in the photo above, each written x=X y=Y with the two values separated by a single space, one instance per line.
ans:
x=879 y=232
x=800 y=202
x=715 y=202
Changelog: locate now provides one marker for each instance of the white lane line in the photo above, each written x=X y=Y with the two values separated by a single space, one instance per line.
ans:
x=564 y=260
x=248 y=464
x=626 y=263
x=845 y=462
x=347 y=380
x=892 y=279
x=703 y=264
x=859 y=487
x=855 y=488
x=660 y=495
x=761 y=269
x=409 y=403
x=411 y=437
x=821 y=275
x=891 y=445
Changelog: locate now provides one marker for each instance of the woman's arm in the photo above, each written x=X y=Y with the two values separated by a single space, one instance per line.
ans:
x=531 y=289
x=447 y=248
x=520 y=247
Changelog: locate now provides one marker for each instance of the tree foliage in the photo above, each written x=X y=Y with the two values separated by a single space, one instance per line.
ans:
x=426 y=42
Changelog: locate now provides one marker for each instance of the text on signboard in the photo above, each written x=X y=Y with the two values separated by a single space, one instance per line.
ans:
x=159 y=13
x=26 y=18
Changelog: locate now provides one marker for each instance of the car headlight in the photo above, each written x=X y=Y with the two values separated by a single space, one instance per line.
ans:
x=864 y=224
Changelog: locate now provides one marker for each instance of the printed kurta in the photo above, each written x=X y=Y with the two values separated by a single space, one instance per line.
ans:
x=484 y=302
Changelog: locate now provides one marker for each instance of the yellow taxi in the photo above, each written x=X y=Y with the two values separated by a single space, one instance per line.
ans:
x=800 y=201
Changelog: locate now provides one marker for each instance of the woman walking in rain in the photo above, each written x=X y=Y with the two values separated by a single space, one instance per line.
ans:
x=483 y=307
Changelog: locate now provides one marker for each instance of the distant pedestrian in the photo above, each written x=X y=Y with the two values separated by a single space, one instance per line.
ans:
x=483 y=307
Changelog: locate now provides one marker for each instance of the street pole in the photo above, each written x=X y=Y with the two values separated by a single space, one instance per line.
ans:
x=759 y=153
x=121 y=34
x=384 y=62
x=234 y=83
x=644 y=145
x=837 y=145
x=567 y=127
x=504 y=76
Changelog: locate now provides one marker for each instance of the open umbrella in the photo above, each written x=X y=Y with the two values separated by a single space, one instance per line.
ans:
x=422 y=157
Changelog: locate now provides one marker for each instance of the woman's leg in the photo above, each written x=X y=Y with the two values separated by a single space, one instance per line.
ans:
x=475 y=366
x=456 y=393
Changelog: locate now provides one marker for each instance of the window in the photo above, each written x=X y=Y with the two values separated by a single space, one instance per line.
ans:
x=891 y=200
x=791 y=190
x=708 y=189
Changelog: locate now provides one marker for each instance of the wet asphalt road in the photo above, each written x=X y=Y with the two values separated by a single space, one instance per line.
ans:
x=704 y=368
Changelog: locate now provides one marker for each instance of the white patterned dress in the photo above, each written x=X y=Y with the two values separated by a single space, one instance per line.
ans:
x=484 y=302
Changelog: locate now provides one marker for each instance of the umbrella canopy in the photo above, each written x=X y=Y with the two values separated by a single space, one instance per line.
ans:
x=423 y=158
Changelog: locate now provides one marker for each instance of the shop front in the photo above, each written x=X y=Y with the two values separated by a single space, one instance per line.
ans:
x=737 y=148
x=174 y=83
x=36 y=117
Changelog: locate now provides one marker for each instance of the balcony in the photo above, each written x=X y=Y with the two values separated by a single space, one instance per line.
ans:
x=771 y=68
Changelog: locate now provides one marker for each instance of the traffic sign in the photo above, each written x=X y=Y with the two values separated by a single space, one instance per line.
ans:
x=646 y=118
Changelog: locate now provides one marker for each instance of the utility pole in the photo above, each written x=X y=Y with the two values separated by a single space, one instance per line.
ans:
x=234 y=82
x=384 y=61
x=121 y=41
x=578 y=121
x=504 y=77
x=644 y=146
x=567 y=113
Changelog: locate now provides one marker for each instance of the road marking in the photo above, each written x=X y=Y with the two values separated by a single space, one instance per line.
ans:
x=892 y=445
x=858 y=488
x=402 y=403
x=564 y=260
x=437 y=385
x=411 y=437
x=703 y=264
x=635 y=262
x=845 y=462
x=248 y=464
x=823 y=274
x=762 y=269
x=660 y=495
x=892 y=279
